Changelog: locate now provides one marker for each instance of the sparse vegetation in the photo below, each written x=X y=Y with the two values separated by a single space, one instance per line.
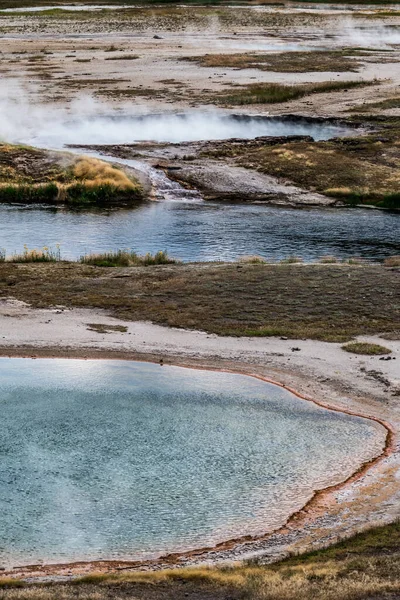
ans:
x=328 y=259
x=376 y=106
x=272 y=93
x=27 y=176
x=296 y=301
x=284 y=62
x=127 y=258
x=392 y=261
x=366 y=565
x=358 y=170
x=253 y=260
x=105 y=328
x=123 y=57
x=44 y=254
x=291 y=260
x=366 y=348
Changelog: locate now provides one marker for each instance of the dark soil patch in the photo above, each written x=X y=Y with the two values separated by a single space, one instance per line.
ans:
x=328 y=302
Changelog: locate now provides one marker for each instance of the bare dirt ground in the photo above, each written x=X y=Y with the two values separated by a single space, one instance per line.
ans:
x=135 y=55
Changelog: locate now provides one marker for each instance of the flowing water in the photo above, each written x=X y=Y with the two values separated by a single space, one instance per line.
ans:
x=193 y=230
x=114 y=459
x=182 y=223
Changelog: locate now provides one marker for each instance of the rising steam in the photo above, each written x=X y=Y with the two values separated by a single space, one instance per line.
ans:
x=87 y=121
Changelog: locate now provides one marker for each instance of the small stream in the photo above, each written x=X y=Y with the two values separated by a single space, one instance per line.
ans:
x=193 y=230
x=180 y=222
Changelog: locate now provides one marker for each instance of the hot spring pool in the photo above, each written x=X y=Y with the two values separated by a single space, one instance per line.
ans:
x=115 y=459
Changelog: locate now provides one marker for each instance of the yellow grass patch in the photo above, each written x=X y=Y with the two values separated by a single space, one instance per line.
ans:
x=95 y=172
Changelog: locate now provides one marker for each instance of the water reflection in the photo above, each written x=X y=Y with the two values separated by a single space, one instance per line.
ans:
x=200 y=231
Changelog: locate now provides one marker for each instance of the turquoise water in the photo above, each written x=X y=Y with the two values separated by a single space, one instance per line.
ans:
x=115 y=459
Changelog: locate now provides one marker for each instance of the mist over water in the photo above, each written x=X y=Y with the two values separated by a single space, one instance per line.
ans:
x=187 y=230
x=90 y=122
x=349 y=33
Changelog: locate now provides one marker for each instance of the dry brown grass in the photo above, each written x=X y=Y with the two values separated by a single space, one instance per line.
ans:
x=330 y=302
x=253 y=259
x=284 y=62
x=95 y=172
x=31 y=176
x=353 y=170
x=364 y=567
x=392 y=261
x=328 y=259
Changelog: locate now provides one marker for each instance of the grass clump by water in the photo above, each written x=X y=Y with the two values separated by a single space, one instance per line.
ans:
x=98 y=182
x=28 y=194
x=87 y=181
x=392 y=261
x=127 y=258
x=328 y=259
x=289 y=260
x=43 y=255
x=365 y=196
x=366 y=348
x=273 y=93
x=253 y=260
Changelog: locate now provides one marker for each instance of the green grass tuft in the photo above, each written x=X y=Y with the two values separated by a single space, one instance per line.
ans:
x=28 y=194
x=273 y=93
x=366 y=348
x=289 y=260
x=127 y=258
x=45 y=255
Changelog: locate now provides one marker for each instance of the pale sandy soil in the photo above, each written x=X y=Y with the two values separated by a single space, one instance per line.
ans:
x=319 y=371
x=46 y=54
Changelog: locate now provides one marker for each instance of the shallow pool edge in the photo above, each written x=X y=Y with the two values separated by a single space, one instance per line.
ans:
x=208 y=553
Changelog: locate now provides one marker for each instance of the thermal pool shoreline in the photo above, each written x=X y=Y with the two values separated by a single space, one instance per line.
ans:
x=319 y=372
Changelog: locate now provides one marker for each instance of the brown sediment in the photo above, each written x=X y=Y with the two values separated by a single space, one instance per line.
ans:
x=295 y=520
